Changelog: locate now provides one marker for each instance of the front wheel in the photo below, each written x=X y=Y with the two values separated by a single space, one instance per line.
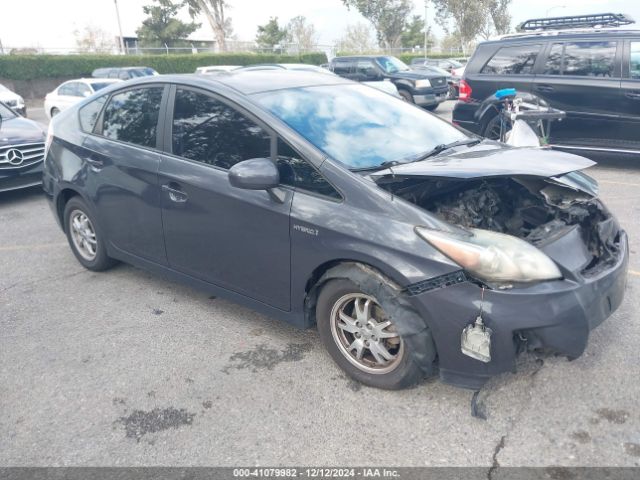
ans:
x=406 y=96
x=362 y=339
x=433 y=107
x=54 y=111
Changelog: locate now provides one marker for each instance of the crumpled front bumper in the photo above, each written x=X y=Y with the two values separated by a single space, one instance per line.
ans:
x=556 y=316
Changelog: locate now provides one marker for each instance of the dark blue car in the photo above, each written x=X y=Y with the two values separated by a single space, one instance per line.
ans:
x=325 y=202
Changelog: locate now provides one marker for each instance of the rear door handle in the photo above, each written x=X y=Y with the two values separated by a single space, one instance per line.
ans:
x=633 y=95
x=175 y=195
x=545 y=88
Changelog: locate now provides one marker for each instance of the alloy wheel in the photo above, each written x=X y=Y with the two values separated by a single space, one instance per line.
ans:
x=83 y=235
x=364 y=334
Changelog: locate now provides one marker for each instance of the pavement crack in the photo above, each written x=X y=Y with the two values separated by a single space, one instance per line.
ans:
x=495 y=463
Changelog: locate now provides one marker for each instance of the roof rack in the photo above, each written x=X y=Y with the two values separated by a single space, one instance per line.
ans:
x=578 y=21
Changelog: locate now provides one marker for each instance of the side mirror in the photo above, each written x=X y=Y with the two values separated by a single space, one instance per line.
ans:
x=254 y=174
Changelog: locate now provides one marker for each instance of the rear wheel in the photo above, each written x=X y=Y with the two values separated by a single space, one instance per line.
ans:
x=84 y=236
x=492 y=129
x=432 y=108
x=54 y=111
x=362 y=339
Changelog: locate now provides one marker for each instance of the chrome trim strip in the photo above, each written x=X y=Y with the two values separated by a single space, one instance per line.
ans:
x=595 y=149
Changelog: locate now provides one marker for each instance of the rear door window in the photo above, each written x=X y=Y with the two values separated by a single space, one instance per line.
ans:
x=584 y=59
x=634 y=61
x=132 y=116
x=516 y=60
x=342 y=67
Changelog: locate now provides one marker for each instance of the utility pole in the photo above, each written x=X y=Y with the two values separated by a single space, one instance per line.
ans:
x=119 y=27
x=426 y=28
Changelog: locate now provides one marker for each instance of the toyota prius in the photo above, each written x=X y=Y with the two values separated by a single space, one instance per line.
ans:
x=407 y=242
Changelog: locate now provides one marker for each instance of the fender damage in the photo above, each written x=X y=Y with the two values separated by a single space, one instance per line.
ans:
x=551 y=205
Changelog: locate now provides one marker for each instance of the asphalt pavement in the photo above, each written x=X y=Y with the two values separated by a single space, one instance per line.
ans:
x=126 y=368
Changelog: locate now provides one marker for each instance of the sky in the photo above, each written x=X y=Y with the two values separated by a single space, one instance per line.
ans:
x=50 y=24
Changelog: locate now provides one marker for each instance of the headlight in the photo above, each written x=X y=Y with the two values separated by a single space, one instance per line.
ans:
x=20 y=102
x=425 y=83
x=492 y=256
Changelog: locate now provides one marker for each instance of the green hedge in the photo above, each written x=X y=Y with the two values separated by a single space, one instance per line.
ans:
x=31 y=67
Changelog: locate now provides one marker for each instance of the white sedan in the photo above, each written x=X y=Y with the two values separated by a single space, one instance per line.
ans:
x=72 y=92
x=13 y=100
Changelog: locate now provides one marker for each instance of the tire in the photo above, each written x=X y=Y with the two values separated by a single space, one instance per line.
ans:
x=54 y=111
x=89 y=237
x=406 y=96
x=432 y=108
x=453 y=92
x=401 y=372
x=492 y=128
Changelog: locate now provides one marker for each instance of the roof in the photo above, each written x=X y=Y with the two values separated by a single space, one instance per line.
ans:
x=249 y=82
x=584 y=32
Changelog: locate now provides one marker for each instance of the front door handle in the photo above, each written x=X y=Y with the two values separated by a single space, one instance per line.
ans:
x=635 y=95
x=94 y=162
x=175 y=195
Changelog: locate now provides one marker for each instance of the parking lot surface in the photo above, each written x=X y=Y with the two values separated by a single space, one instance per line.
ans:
x=126 y=368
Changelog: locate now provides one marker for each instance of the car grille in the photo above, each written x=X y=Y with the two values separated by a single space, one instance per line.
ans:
x=16 y=156
x=439 y=81
x=11 y=103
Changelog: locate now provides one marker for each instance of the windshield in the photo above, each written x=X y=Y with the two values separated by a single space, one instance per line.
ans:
x=392 y=64
x=5 y=112
x=100 y=85
x=359 y=126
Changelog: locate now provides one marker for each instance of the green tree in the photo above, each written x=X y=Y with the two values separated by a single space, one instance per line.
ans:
x=161 y=27
x=413 y=34
x=270 y=34
x=388 y=17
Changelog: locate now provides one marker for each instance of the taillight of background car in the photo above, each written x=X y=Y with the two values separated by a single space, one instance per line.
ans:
x=464 y=94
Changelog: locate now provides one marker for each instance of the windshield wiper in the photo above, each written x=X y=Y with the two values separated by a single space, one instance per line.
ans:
x=444 y=146
x=388 y=163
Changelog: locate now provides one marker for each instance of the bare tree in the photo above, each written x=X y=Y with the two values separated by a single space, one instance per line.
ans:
x=214 y=12
x=473 y=18
x=358 y=38
x=388 y=17
x=301 y=33
x=94 y=39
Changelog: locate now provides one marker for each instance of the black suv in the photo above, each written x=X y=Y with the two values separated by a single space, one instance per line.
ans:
x=592 y=73
x=425 y=89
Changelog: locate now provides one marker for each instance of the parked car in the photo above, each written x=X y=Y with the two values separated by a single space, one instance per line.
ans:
x=452 y=80
x=446 y=64
x=593 y=74
x=21 y=150
x=323 y=202
x=423 y=89
x=123 y=73
x=217 y=68
x=72 y=92
x=382 y=85
x=13 y=100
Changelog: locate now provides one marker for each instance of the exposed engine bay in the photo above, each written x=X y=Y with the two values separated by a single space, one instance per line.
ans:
x=538 y=210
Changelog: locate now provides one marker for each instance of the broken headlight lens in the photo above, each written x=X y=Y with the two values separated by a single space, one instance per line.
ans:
x=493 y=256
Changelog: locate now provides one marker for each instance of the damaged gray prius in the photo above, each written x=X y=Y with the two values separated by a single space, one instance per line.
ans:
x=324 y=202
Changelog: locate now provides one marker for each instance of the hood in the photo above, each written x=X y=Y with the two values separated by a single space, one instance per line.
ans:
x=15 y=131
x=414 y=75
x=490 y=159
x=6 y=96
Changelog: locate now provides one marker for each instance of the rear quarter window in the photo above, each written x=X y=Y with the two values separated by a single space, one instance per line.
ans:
x=515 y=60
x=88 y=114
